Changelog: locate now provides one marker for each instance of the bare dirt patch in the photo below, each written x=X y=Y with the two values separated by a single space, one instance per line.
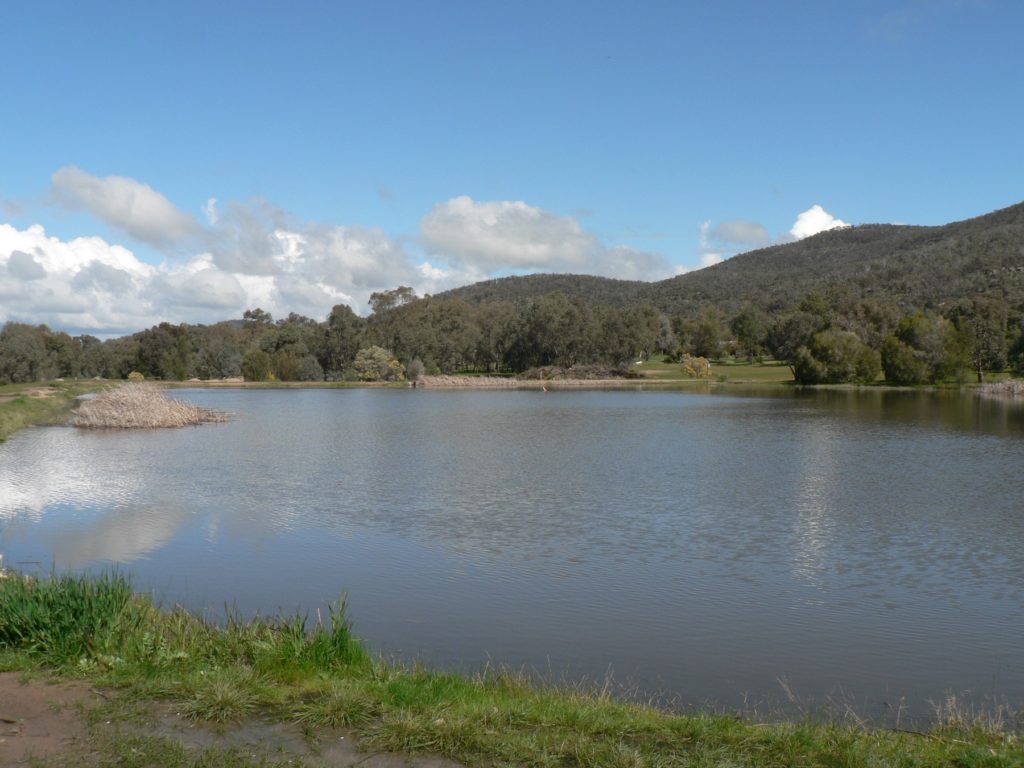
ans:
x=39 y=719
x=41 y=392
x=42 y=722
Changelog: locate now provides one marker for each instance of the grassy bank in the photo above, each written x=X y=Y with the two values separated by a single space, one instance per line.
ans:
x=322 y=677
x=735 y=372
x=39 y=403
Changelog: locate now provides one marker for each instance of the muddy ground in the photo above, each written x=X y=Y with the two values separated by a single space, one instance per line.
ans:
x=55 y=724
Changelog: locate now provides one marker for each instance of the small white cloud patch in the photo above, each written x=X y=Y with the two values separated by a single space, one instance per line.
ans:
x=210 y=209
x=814 y=220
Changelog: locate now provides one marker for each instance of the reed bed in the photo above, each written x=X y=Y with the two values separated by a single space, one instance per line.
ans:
x=140 y=406
x=473 y=382
x=1008 y=388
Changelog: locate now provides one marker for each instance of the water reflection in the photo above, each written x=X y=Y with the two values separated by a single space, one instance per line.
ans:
x=119 y=536
x=43 y=467
x=820 y=463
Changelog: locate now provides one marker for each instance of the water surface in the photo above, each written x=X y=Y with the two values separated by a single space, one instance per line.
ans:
x=697 y=546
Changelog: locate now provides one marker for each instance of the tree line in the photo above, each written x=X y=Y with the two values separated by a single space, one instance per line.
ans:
x=829 y=336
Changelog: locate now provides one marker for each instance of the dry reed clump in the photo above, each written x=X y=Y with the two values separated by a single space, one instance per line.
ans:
x=497 y=382
x=139 y=406
x=1008 y=388
x=469 y=382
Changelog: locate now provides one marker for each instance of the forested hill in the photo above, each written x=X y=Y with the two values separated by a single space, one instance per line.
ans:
x=599 y=291
x=909 y=265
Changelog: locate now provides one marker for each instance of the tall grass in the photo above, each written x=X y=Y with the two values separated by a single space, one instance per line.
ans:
x=63 y=618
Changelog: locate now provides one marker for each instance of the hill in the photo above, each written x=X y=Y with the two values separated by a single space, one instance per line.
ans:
x=913 y=266
x=600 y=291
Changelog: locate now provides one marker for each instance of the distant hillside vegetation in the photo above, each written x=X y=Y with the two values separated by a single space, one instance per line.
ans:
x=599 y=291
x=909 y=265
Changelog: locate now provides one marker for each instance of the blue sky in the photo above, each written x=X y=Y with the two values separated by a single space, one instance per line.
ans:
x=355 y=146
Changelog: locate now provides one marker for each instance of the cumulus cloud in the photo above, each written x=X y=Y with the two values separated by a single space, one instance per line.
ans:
x=252 y=253
x=509 y=234
x=814 y=220
x=506 y=235
x=125 y=204
x=24 y=266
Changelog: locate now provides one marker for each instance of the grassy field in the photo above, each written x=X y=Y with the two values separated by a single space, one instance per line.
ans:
x=738 y=372
x=39 y=403
x=321 y=677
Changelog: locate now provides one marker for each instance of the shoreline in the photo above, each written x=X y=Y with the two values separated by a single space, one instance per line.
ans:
x=53 y=402
x=150 y=663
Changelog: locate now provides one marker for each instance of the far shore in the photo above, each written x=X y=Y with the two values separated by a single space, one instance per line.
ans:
x=52 y=402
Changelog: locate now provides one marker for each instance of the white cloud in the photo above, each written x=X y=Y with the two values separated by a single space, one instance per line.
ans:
x=491 y=237
x=24 y=266
x=722 y=241
x=504 y=234
x=431 y=272
x=814 y=220
x=126 y=204
x=254 y=254
x=210 y=209
x=88 y=283
x=741 y=232
x=710 y=252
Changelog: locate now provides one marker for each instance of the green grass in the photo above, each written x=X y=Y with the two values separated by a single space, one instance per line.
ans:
x=735 y=372
x=321 y=676
x=19 y=409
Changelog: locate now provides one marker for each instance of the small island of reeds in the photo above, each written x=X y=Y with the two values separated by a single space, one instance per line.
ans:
x=139 y=405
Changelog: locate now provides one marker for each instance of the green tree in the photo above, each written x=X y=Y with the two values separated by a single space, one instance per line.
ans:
x=257 y=317
x=256 y=365
x=377 y=364
x=836 y=357
x=923 y=349
x=343 y=336
x=708 y=334
x=23 y=355
x=982 y=326
x=748 y=328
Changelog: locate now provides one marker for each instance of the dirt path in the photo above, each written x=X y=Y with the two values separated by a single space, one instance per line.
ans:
x=43 y=723
x=39 y=719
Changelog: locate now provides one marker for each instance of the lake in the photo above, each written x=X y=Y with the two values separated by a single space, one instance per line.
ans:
x=696 y=547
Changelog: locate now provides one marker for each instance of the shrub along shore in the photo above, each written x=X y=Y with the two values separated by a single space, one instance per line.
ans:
x=323 y=677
